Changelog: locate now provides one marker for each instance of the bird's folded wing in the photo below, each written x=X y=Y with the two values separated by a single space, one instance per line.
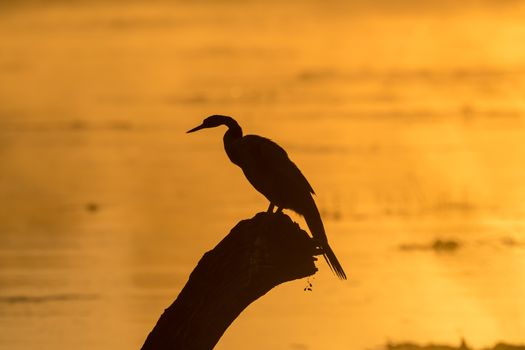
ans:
x=271 y=157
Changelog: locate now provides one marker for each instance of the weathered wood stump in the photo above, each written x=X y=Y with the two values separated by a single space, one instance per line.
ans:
x=257 y=255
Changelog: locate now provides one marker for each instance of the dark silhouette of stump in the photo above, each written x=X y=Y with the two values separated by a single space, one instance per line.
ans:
x=257 y=255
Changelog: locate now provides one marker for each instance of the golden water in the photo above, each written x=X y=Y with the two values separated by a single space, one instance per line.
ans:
x=408 y=120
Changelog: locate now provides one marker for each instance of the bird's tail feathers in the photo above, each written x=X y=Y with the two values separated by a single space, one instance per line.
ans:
x=315 y=224
x=332 y=261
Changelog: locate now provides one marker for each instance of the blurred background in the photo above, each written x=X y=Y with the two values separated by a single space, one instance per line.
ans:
x=407 y=117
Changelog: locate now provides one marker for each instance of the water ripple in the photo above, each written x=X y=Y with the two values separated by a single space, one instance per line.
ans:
x=17 y=299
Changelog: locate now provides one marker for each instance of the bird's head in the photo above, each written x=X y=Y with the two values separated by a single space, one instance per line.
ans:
x=212 y=122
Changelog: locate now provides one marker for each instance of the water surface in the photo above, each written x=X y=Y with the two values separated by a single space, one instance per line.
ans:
x=407 y=119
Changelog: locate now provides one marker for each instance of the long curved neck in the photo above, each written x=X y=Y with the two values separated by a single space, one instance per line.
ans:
x=234 y=130
x=234 y=133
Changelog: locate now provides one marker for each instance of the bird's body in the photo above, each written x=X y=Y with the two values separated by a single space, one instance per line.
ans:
x=268 y=168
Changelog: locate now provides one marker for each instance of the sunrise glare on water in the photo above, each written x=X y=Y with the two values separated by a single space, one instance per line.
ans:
x=407 y=117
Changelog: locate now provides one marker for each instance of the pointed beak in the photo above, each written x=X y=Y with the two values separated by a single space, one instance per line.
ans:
x=196 y=128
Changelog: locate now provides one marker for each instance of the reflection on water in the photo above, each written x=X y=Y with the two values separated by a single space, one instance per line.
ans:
x=408 y=122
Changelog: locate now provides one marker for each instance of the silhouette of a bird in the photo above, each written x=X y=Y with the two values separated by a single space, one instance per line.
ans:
x=267 y=167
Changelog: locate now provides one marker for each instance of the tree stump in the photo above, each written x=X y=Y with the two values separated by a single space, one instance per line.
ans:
x=257 y=255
